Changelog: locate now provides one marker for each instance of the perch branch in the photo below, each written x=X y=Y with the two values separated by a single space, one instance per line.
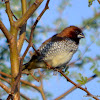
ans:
x=73 y=88
x=78 y=86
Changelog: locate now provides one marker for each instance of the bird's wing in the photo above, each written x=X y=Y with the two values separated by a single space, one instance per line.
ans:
x=49 y=50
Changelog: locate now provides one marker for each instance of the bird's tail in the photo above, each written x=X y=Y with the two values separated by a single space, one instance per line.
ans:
x=34 y=63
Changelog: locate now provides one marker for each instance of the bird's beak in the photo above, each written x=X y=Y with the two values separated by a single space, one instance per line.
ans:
x=81 y=35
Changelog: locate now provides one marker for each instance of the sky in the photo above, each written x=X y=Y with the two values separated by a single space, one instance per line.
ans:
x=74 y=15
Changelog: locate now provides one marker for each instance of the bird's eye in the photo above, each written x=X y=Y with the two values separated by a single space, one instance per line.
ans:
x=77 y=32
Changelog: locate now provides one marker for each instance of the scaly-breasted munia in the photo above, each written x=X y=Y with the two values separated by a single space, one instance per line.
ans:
x=58 y=50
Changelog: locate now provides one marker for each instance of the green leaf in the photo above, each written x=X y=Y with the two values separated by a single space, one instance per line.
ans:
x=90 y=2
x=96 y=72
x=82 y=80
x=67 y=72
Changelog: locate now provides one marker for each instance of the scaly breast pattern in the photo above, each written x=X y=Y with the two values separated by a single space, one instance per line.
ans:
x=58 y=53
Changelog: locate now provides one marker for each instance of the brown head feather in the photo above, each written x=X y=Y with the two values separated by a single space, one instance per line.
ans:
x=69 y=32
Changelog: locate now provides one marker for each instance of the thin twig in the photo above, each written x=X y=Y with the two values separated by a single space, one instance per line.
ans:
x=41 y=89
x=8 y=10
x=28 y=13
x=37 y=79
x=32 y=46
x=25 y=97
x=24 y=82
x=32 y=29
x=7 y=75
x=5 y=31
x=78 y=86
x=73 y=88
x=30 y=84
x=23 y=28
x=10 y=97
x=4 y=79
x=14 y=15
x=41 y=85
x=5 y=87
x=73 y=63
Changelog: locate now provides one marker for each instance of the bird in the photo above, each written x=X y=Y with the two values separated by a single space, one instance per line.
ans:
x=58 y=50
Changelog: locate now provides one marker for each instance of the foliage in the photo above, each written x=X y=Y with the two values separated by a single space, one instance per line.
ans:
x=90 y=2
x=83 y=80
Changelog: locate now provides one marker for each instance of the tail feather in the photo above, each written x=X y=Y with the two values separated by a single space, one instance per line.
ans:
x=34 y=63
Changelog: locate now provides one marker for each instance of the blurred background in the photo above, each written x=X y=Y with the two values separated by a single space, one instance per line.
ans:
x=85 y=63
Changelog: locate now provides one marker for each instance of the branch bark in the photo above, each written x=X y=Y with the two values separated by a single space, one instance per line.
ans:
x=28 y=13
x=23 y=28
x=26 y=98
x=78 y=86
x=8 y=11
x=33 y=27
x=5 y=87
x=73 y=88
x=5 y=31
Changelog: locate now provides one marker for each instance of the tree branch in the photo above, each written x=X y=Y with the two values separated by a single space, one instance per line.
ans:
x=5 y=31
x=78 y=86
x=4 y=79
x=23 y=28
x=2 y=73
x=5 y=87
x=28 y=13
x=26 y=98
x=30 y=84
x=24 y=82
x=41 y=86
x=32 y=29
x=73 y=88
x=37 y=79
x=8 y=11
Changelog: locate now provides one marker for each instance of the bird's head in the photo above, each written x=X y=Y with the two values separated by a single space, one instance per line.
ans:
x=72 y=32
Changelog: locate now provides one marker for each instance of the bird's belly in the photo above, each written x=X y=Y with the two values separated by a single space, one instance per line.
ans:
x=61 y=59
